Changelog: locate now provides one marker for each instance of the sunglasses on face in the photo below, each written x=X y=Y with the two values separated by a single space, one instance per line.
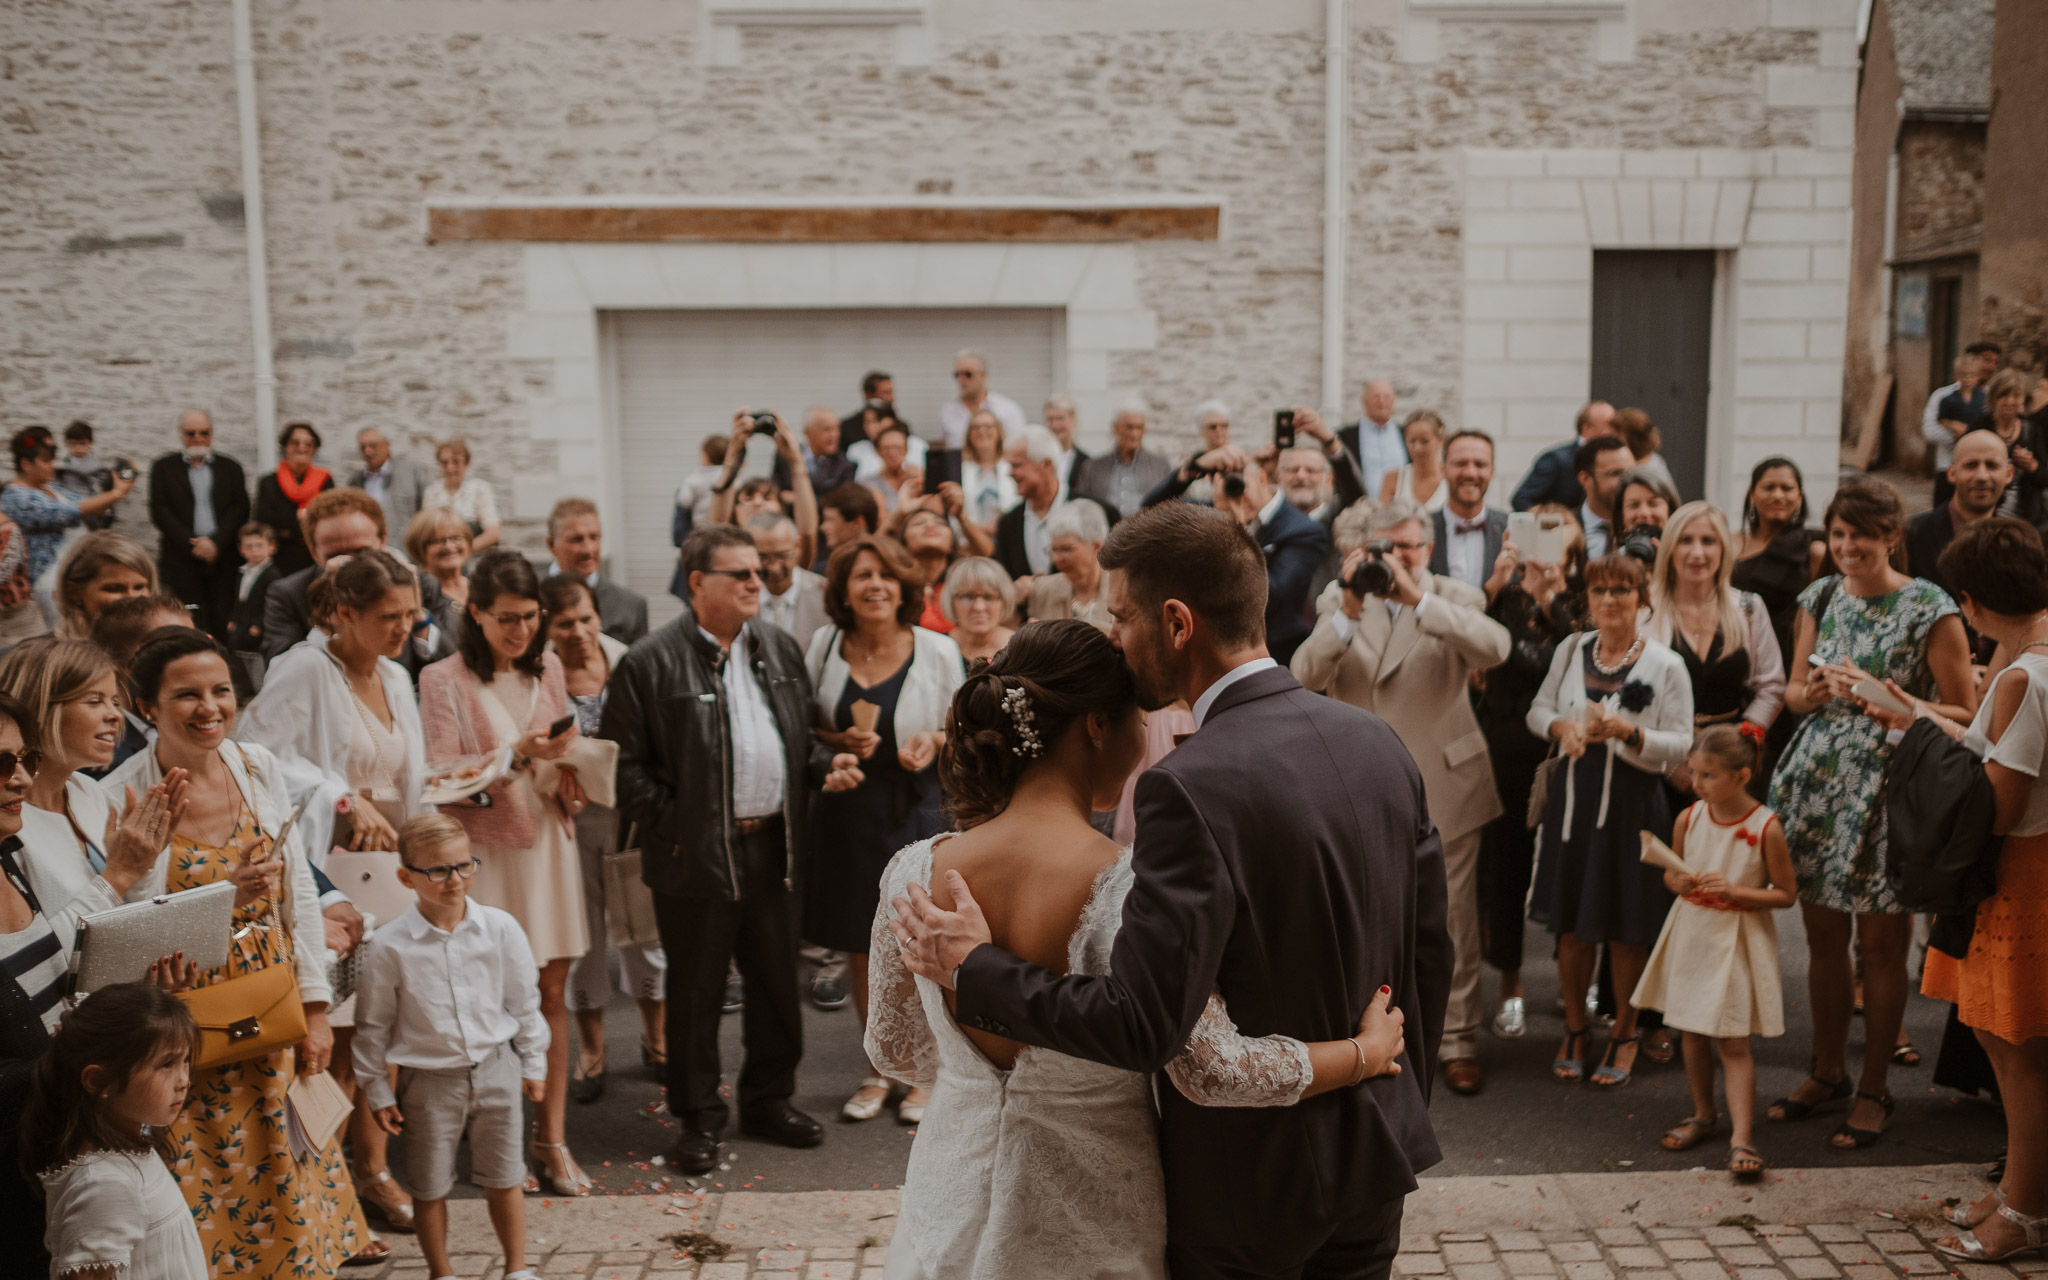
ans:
x=737 y=575
x=26 y=761
x=963 y=373
x=440 y=874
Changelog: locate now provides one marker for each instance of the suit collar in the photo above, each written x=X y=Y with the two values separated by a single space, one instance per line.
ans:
x=1260 y=684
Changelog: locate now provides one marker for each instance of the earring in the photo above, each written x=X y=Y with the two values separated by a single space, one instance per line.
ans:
x=1096 y=742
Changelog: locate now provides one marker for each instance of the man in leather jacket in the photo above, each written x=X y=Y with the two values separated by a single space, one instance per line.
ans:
x=713 y=716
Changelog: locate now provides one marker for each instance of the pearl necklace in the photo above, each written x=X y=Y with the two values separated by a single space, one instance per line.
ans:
x=1619 y=667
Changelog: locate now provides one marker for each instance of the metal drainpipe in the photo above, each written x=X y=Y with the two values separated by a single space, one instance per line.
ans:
x=1336 y=70
x=252 y=217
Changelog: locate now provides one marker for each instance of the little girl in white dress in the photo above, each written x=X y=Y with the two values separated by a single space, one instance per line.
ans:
x=1714 y=970
x=106 y=1092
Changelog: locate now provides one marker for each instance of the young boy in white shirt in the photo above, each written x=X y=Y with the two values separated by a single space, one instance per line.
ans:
x=460 y=1062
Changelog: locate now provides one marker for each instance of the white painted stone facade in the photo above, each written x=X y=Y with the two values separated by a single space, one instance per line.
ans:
x=1493 y=145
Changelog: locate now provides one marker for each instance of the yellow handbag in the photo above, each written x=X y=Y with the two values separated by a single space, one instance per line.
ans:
x=247 y=1016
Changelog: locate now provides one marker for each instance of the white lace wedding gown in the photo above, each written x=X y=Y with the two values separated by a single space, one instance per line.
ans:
x=1052 y=1167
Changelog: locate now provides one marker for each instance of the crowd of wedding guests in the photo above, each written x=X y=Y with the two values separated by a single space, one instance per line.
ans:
x=1606 y=663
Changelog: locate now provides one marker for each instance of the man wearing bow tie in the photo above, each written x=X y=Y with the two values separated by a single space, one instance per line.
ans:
x=198 y=499
x=1407 y=656
x=1468 y=533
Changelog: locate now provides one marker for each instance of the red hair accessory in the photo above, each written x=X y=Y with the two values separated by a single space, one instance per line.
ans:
x=1754 y=732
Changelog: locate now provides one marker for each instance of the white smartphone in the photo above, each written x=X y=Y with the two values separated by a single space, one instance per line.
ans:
x=1538 y=536
x=1878 y=696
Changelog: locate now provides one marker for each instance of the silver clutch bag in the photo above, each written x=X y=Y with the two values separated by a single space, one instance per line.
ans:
x=120 y=944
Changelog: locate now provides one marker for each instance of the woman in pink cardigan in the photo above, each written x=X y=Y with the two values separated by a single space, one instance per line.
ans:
x=503 y=686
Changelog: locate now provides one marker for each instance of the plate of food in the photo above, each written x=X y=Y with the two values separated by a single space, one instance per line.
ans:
x=457 y=780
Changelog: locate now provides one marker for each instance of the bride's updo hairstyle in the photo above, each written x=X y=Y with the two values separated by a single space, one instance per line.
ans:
x=1015 y=708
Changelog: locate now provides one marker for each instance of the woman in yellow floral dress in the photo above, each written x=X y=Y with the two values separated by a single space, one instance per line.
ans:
x=260 y=1211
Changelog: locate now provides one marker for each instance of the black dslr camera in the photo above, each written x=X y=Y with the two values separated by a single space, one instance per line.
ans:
x=1374 y=577
x=1640 y=542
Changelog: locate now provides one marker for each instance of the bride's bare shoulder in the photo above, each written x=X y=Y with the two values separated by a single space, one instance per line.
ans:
x=1061 y=862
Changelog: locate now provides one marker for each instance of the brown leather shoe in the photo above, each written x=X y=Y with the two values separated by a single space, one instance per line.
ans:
x=1462 y=1074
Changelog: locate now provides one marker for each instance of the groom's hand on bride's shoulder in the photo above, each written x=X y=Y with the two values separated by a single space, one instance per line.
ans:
x=846 y=774
x=936 y=941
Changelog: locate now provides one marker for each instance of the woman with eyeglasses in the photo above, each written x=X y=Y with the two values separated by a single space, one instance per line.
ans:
x=284 y=493
x=437 y=540
x=979 y=598
x=1619 y=707
x=83 y=851
x=503 y=687
x=42 y=511
x=339 y=714
x=235 y=1166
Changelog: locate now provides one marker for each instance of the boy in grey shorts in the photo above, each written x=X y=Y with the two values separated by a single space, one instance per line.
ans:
x=449 y=996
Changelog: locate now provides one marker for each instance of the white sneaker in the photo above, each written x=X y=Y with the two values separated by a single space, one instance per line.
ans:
x=1510 y=1022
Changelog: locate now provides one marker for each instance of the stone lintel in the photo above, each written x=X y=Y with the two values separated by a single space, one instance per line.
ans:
x=853 y=223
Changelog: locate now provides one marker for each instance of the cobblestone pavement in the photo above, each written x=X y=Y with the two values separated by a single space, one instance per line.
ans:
x=1802 y=1224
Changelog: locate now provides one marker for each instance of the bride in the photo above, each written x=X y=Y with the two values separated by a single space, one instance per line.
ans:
x=1030 y=1163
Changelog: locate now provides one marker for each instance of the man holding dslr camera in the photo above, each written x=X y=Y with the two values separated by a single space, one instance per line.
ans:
x=1292 y=543
x=1402 y=643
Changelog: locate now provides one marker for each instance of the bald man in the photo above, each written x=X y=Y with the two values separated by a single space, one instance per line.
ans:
x=198 y=500
x=1375 y=439
x=829 y=467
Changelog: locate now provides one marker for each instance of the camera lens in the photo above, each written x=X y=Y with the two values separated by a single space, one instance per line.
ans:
x=1233 y=485
x=1373 y=578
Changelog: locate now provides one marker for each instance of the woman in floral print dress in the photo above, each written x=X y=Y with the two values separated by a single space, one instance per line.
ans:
x=260 y=1211
x=1870 y=619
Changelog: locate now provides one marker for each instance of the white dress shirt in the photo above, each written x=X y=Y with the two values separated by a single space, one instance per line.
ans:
x=1599 y=533
x=780 y=611
x=954 y=416
x=373 y=481
x=1224 y=681
x=1465 y=551
x=1037 y=541
x=758 y=770
x=1380 y=449
x=1933 y=432
x=442 y=1000
x=1342 y=624
x=200 y=475
x=250 y=572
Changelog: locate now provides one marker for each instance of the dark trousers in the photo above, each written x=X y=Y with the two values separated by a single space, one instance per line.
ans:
x=702 y=935
x=208 y=590
x=1360 y=1249
x=1507 y=849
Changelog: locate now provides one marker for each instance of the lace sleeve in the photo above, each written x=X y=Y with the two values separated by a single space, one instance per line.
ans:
x=899 y=1040
x=1221 y=1068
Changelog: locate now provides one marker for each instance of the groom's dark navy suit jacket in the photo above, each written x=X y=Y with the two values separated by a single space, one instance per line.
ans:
x=1286 y=857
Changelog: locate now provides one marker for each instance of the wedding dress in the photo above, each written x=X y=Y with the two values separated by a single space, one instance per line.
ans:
x=1052 y=1167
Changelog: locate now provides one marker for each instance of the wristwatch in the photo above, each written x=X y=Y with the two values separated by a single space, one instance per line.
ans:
x=956 y=974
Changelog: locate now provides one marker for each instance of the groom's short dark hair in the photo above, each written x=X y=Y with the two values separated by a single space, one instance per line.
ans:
x=1198 y=556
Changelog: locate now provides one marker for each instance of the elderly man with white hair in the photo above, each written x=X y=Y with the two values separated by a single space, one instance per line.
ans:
x=1074 y=588
x=396 y=484
x=1023 y=533
x=970 y=377
x=1061 y=417
x=1402 y=643
x=1121 y=479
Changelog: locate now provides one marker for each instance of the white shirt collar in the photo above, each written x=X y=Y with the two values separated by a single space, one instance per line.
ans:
x=1271 y=509
x=419 y=926
x=1228 y=678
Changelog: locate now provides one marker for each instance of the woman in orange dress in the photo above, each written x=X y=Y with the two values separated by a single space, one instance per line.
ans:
x=260 y=1210
x=1999 y=573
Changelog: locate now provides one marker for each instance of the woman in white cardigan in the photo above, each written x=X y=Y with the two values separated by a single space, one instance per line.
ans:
x=1619 y=707
x=884 y=686
x=237 y=804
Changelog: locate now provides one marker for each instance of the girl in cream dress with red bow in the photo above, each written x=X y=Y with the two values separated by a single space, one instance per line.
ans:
x=1714 y=970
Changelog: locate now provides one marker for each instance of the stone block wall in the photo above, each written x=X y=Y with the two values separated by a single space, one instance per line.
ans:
x=122 y=264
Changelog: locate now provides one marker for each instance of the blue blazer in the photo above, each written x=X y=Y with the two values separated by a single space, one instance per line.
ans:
x=1553 y=478
x=1294 y=545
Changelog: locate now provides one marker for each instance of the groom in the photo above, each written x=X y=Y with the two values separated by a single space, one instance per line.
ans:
x=1285 y=856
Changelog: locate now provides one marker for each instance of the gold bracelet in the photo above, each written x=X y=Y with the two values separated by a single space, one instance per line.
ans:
x=1360 y=1077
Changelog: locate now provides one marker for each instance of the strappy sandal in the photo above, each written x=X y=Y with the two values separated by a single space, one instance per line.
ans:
x=1571 y=1067
x=1966 y=1215
x=1793 y=1109
x=571 y=1180
x=587 y=1086
x=375 y=1255
x=1689 y=1133
x=1906 y=1055
x=1746 y=1163
x=398 y=1217
x=1861 y=1138
x=1968 y=1247
x=1609 y=1076
x=1659 y=1046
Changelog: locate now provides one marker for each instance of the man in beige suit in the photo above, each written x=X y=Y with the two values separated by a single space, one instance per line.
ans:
x=1407 y=655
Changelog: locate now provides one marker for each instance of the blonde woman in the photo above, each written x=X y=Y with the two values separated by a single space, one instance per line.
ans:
x=471 y=496
x=438 y=541
x=1724 y=636
x=984 y=474
x=97 y=570
x=1422 y=481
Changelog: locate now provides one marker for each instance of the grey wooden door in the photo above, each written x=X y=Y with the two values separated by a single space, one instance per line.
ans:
x=1653 y=317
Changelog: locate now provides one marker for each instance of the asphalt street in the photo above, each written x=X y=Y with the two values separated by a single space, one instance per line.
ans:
x=1522 y=1122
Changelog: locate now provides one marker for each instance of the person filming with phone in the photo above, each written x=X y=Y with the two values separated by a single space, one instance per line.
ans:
x=1402 y=643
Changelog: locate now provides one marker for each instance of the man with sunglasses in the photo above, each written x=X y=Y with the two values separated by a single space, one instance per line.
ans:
x=197 y=501
x=1403 y=644
x=970 y=378
x=712 y=714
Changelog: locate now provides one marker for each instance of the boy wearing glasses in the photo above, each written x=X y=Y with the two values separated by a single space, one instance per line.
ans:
x=449 y=997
